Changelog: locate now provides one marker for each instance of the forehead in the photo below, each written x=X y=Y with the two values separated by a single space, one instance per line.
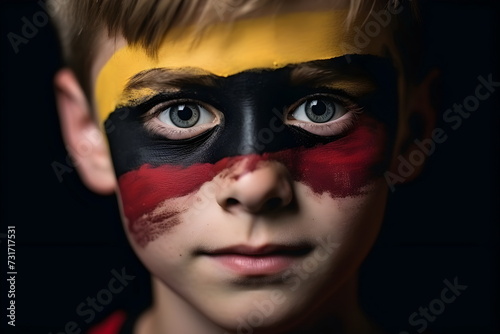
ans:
x=224 y=49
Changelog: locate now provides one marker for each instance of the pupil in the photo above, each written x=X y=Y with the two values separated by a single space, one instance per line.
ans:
x=185 y=114
x=319 y=108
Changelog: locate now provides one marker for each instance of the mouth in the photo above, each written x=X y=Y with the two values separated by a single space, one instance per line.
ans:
x=246 y=260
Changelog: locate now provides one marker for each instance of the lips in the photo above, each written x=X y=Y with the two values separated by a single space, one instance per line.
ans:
x=248 y=260
x=248 y=250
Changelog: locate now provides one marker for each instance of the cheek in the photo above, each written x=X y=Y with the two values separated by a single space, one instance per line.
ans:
x=349 y=217
x=343 y=167
x=153 y=223
x=144 y=189
x=154 y=198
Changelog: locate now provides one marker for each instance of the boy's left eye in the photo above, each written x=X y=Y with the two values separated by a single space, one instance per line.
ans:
x=324 y=115
x=319 y=110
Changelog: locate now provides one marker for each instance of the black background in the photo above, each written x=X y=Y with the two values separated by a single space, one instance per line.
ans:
x=444 y=225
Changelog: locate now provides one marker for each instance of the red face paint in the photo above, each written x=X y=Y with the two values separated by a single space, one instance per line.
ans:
x=340 y=168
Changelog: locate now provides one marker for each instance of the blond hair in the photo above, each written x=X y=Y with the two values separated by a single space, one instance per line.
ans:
x=145 y=23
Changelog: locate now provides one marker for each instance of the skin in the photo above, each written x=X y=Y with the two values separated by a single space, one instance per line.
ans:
x=236 y=204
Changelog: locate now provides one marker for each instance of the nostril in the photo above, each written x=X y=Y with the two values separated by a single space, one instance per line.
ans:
x=231 y=202
x=269 y=205
x=272 y=203
x=265 y=189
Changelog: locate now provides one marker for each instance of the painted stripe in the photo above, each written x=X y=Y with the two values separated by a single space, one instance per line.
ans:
x=226 y=49
x=340 y=168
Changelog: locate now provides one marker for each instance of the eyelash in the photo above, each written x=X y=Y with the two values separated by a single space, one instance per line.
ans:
x=335 y=127
x=157 y=127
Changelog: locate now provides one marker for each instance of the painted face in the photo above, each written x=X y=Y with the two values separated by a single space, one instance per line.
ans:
x=249 y=154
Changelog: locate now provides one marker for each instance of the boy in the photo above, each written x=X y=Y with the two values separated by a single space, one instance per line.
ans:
x=250 y=144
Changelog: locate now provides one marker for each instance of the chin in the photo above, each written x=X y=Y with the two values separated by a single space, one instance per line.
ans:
x=264 y=311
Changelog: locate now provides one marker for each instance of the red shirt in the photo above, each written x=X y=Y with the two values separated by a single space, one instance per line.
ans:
x=111 y=325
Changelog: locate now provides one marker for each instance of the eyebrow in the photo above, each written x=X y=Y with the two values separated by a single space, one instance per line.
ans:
x=156 y=80
x=351 y=78
x=163 y=78
x=319 y=73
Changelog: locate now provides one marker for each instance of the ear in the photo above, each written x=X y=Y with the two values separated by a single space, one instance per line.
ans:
x=84 y=140
x=420 y=138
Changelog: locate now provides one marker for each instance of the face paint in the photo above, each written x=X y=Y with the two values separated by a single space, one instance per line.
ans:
x=225 y=49
x=153 y=169
x=341 y=168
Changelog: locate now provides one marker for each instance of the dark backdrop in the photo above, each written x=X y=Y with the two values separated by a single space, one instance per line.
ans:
x=442 y=227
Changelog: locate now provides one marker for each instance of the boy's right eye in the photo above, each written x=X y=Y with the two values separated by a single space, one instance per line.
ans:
x=186 y=115
x=182 y=119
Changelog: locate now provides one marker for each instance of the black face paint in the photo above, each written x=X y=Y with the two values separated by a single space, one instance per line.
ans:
x=253 y=104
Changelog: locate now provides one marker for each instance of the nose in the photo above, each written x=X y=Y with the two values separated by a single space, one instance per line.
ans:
x=265 y=188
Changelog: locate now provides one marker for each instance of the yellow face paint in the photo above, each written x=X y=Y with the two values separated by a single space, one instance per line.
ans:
x=225 y=49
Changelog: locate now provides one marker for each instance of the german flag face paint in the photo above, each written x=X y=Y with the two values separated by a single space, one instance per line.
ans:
x=226 y=49
x=267 y=89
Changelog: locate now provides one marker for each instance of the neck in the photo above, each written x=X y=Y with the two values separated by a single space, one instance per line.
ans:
x=170 y=313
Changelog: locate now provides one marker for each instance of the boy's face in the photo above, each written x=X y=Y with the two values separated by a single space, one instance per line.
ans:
x=250 y=163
